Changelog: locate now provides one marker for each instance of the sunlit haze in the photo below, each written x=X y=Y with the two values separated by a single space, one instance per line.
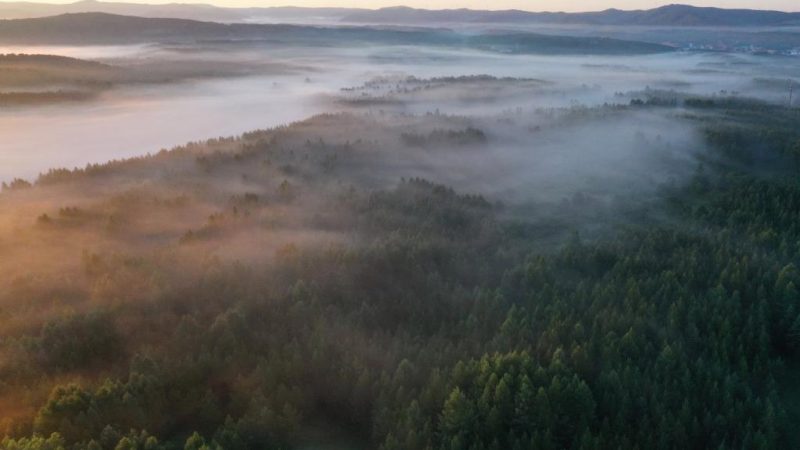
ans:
x=528 y=5
x=453 y=225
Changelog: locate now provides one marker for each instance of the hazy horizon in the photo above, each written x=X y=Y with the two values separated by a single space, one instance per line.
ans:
x=525 y=5
x=353 y=229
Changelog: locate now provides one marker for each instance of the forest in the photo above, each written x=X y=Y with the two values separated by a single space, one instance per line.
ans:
x=250 y=292
x=41 y=79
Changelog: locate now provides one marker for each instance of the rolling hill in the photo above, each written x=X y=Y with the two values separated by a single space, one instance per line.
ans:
x=669 y=15
x=108 y=29
x=194 y=11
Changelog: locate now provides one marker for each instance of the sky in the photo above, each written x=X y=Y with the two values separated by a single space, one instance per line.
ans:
x=530 y=5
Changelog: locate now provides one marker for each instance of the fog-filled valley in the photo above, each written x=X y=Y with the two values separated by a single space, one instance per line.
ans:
x=155 y=96
x=259 y=236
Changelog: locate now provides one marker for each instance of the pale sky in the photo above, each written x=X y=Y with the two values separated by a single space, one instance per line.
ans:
x=530 y=5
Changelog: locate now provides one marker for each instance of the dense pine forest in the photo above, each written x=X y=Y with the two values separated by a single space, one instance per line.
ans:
x=425 y=317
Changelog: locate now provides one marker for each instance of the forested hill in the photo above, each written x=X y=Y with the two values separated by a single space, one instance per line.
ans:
x=99 y=28
x=670 y=15
x=234 y=294
x=193 y=11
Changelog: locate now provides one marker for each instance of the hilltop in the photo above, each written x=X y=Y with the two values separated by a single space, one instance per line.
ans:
x=110 y=29
x=668 y=15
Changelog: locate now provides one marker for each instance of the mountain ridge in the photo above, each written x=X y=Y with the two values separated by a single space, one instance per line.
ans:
x=678 y=15
x=110 y=29
x=668 y=15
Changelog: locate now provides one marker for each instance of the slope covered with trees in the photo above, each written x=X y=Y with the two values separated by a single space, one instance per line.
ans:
x=236 y=294
x=111 y=29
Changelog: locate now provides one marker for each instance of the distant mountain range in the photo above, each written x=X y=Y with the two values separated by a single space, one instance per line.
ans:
x=193 y=11
x=110 y=29
x=669 y=16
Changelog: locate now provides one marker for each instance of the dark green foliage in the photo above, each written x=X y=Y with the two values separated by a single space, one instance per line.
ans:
x=466 y=137
x=77 y=341
x=441 y=329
